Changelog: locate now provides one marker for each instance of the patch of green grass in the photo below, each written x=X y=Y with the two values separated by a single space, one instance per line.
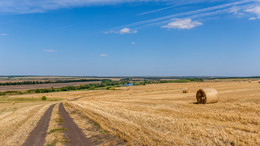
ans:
x=103 y=132
x=54 y=142
x=97 y=125
x=57 y=130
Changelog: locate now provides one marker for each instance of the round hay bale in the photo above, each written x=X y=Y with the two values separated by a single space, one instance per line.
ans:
x=13 y=103
x=259 y=81
x=185 y=90
x=207 y=95
x=249 y=81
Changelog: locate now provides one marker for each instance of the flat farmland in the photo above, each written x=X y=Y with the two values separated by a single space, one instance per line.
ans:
x=160 y=114
x=41 y=86
x=49 y=78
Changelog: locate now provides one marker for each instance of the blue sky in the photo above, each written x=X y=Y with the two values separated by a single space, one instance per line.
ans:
x=130 y=37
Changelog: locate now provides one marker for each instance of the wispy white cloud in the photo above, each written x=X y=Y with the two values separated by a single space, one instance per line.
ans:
x=252 y=18
x=183 y=24
x=254 y=10
x=237 y=10
x=133 y=43
x=233 y=7
x=178 y=3
x=103 y=55
x=127 y=30
x=40 y=6
x=161 y=9
x=49 y=51
x=3 y=34
x=123 y=31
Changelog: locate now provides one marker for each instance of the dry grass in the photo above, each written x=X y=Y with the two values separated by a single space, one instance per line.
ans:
x=13 y=100
x=17 y=121
x=161 y=115
x=55 y=135
x=64 y=95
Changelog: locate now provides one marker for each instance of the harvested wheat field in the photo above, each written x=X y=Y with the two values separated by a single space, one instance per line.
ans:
x=161 y=114
x=17 y=121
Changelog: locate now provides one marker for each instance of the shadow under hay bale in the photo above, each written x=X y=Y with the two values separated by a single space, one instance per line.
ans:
x=185 y=90
x=207 y=95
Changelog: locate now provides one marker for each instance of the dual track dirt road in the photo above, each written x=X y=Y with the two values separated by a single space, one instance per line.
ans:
x=73 y=133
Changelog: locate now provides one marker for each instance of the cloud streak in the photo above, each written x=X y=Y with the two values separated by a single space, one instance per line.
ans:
x=40 y=6
x=103 y=55
x=49 y=51
x=3 y=34
x=209 y=11
x=127 y=30
x=183 y=24
x=254 y=10
x=161 y=9
x=123 y=31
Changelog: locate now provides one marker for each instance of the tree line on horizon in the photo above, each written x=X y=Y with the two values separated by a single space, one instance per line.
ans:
x=47 y=82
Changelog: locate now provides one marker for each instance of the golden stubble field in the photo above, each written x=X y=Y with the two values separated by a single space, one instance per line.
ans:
x=17 y=121
x=160 y=114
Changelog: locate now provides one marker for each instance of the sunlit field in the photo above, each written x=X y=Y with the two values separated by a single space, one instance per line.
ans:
x=160 y=114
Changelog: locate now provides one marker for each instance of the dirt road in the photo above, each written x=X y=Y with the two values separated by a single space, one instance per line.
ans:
x=73 y=133
x=37 y=136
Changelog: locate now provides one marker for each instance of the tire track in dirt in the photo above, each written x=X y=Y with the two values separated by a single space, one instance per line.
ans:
x=73 y=133
x=37 y=136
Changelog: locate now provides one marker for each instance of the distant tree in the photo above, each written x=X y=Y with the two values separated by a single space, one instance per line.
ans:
x=37 y=91
x=44 y=98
